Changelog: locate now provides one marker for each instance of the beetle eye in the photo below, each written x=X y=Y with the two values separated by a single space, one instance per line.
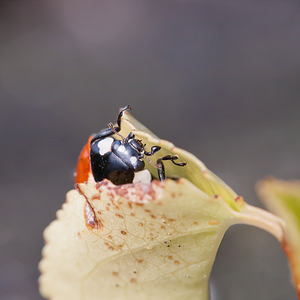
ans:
x=137 y=144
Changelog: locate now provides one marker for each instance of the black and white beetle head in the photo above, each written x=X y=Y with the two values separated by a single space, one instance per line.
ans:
x=122 y=161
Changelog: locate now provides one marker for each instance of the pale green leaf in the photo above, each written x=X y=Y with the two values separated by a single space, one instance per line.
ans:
x=139 y=241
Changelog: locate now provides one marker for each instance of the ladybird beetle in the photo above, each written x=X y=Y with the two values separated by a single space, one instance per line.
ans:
x=120 y=161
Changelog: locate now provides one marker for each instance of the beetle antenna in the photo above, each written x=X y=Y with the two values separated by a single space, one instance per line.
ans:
x=111 y=126
x=151 y=162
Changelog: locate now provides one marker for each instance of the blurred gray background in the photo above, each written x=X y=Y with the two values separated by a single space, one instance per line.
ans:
x=218 y=78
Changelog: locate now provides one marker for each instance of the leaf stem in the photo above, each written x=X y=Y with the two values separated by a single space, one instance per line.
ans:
x=260 y=218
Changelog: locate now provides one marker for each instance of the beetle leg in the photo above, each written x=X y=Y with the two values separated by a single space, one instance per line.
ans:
x=111 y=126
x=161 y=168
x=127 y=107
x=153 y=150
x=109 y=131
x=102 y=134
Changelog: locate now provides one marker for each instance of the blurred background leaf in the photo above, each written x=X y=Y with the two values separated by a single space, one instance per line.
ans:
x=283 y=198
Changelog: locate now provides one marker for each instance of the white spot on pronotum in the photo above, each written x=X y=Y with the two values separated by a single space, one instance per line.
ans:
x=105 y=145
x=121 y=148
x=142 y=176
x=133 y=160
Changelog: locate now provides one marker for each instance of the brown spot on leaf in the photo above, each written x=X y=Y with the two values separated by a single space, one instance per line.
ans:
x=118 y=215
x=95 y=197
x=110 y=247
x=134 y=192
x=239 y=200
x=213 y=222
x=115 y=273
x=132 y=280
x=123 y=232
x=176 y=262
x=116 y=206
